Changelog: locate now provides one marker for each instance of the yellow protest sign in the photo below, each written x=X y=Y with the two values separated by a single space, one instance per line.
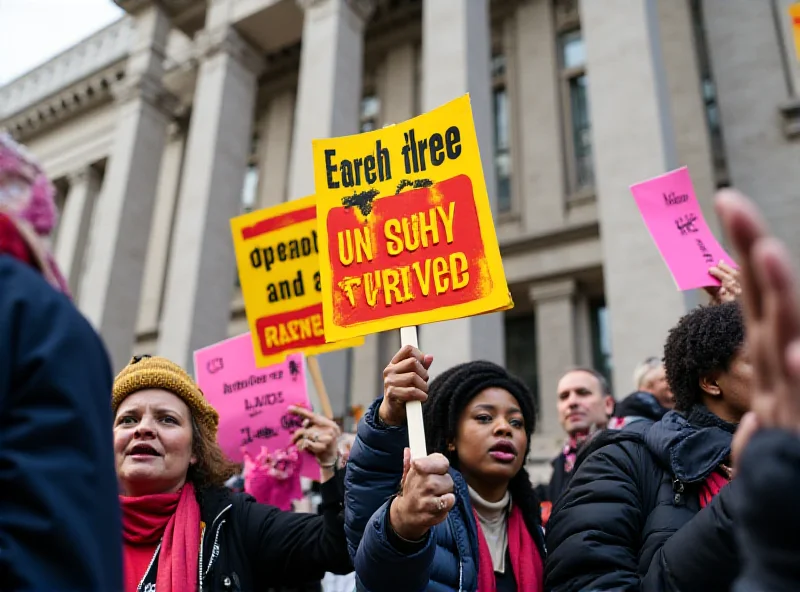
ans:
x=405 y=228
x=794 y=15
x=277 y=256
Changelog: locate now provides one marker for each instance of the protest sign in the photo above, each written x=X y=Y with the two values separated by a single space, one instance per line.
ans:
x=278 y=262
x=673 y=216
x=794 y=16
x=252 y=402
x=405 y=227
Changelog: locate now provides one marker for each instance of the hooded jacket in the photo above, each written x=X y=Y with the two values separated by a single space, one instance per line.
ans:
x=631 y=518
x=639 y=406
x=448 y=562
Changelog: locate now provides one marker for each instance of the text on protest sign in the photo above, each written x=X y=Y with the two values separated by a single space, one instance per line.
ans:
x=277 y=255
x=673 y=216
x=405 y=227
x=253 y=402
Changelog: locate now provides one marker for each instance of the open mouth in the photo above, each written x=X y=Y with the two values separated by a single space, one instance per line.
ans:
x=143 y=450
x=503 y=451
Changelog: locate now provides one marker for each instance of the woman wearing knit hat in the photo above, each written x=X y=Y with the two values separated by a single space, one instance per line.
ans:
x=59 y=515
x=466 y=517
x=183 y=529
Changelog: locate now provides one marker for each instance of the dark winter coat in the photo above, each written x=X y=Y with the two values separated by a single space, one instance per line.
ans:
x=251 y=546
x=631 y=519
x=640 y=405
x=59 y=506
x=448 y=560
x=559 y=480
x=766 y=513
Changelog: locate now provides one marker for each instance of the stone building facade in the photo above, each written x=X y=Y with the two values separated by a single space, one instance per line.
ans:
x=161 y=127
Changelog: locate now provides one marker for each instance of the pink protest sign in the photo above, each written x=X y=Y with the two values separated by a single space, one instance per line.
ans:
x=253 y=402
x=673 y=216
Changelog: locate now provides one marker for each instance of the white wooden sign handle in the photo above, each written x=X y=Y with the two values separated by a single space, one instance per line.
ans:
x=416 y=429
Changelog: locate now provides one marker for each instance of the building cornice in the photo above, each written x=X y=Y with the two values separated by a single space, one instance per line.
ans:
x=68 y=102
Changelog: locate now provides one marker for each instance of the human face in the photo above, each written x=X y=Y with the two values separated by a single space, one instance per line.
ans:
x=582 y=403
x=655 y=382
x=491 y=442
x=730 y=391
x=152 y=443
x=14 y=192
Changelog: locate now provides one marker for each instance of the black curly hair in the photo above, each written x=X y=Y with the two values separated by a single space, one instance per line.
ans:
x=704 y=340
x=450 y=393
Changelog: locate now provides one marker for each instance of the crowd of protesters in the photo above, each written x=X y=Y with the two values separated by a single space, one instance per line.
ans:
x=687 y=483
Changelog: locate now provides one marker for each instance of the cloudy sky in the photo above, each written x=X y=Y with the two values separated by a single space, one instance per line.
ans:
x=33 y=31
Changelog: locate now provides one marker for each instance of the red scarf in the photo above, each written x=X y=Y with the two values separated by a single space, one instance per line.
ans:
x=12 y=243
x=174 y=518
x=711 y=487
x=19 y=241
x=525 y=559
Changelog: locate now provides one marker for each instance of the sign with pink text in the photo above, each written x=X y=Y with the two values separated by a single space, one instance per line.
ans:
x=253 y=402
x=673 y=216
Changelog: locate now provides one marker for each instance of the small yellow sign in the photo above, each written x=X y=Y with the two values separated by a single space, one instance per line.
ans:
x=277 y=255
x=794 y=16
x=405 y=227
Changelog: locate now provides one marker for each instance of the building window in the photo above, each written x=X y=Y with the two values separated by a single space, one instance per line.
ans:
x=520 y=341
x=502 y=141
x=250 y=189
x=370 y=112
x=601 y=339
x=249 y=197
x=575 y=107
x=709 y=91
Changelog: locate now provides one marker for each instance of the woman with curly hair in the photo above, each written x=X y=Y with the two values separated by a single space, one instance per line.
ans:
x=182 y=528
x=648 y=507
x=466 y=517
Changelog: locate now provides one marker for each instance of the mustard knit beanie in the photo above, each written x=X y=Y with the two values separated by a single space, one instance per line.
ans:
x=146 y=372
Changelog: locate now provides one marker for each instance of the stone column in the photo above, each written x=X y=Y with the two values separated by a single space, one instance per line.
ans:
x=275 y=145
x=329 y=90
x=200 y=284
x=111 y=285
x=556 y=349
x=456 y=50
x=84 y=186
x=155 y=270
x=398 y=86
x=328 y=98
x=632 y=141
x=556 y=352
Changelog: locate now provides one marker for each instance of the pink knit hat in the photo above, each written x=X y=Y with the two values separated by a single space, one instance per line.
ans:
x=28 y=197
x=24 y=187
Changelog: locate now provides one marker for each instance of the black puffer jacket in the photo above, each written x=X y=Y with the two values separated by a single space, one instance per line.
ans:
x=250 y=546
x=631 y=518
x=766 y=513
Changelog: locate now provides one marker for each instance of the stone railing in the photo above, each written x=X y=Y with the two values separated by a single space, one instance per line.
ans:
x=94 y=53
